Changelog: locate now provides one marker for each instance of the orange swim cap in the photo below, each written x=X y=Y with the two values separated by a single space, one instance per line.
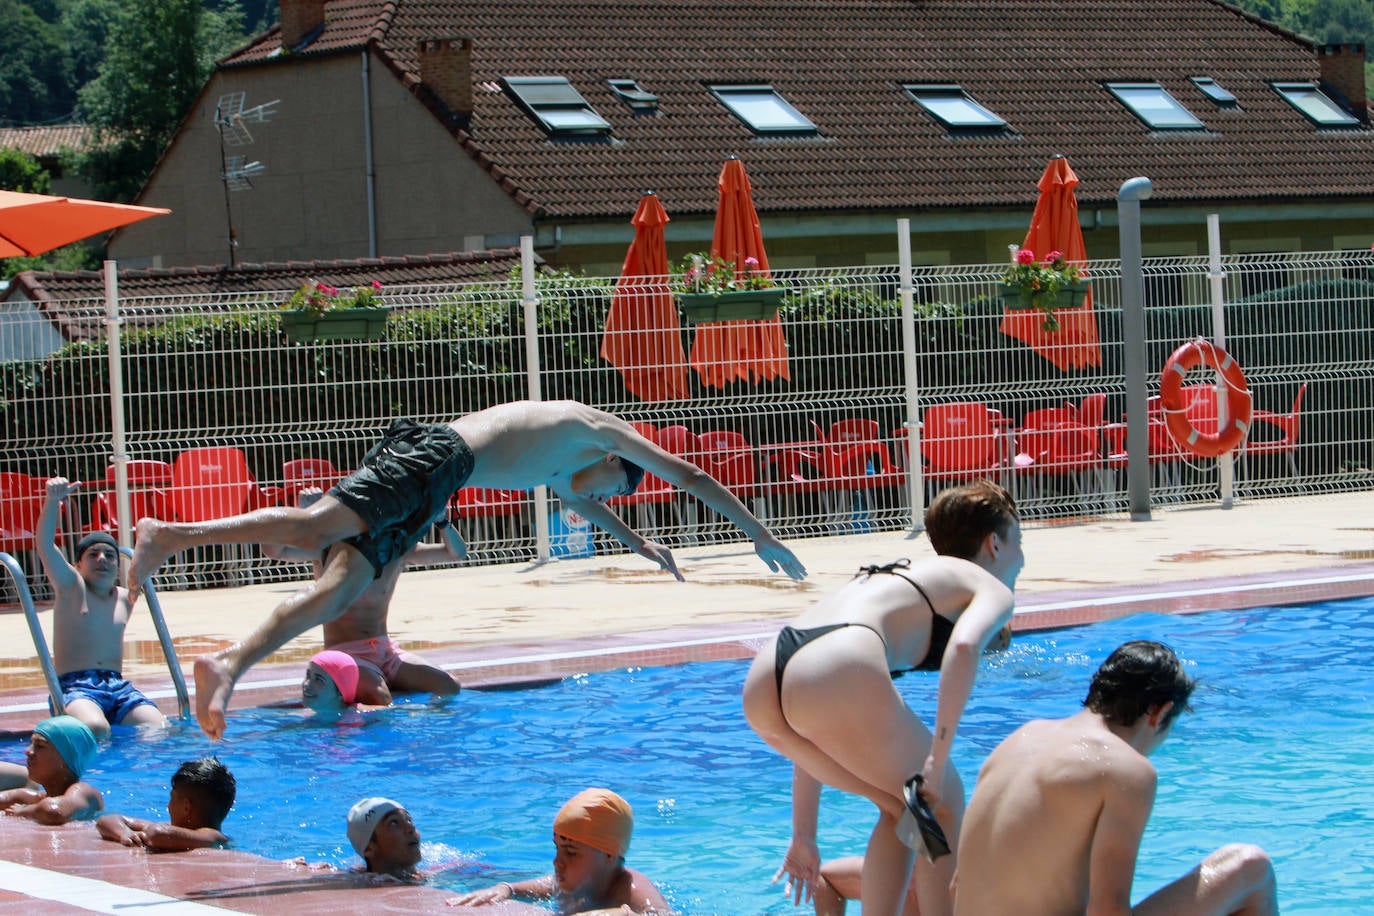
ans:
x=599 y=818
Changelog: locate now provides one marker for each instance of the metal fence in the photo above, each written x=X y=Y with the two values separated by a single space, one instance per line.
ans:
x=826 y=449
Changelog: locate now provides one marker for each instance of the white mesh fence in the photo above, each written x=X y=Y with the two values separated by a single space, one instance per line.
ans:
x=814 y=443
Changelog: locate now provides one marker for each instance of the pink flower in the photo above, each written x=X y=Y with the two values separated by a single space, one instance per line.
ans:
x=751 y=263
x=1054 y=257
x=376 y=284
x=1025 y=256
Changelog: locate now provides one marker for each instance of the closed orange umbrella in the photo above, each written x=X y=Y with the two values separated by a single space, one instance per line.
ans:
x=1054 y=227
x=642 y=336
x=31 y=224
x=724 y=351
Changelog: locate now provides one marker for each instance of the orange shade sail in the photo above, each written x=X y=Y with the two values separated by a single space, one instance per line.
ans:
x=31 y=224
x=643 y=339
x=1054 y=227
x=726 y=351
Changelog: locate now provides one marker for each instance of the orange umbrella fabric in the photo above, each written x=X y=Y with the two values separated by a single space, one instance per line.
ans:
x=1054 y=227
x=643 y=339
x=31 y=224
x=724 y=351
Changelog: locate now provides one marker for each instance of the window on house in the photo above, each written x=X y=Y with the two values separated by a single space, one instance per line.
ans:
x=556 y=106
x=763 y=110
x=1214 y=91
x=640 y=101
x=1317 y=105
x=954 y=107
x=1153 y=104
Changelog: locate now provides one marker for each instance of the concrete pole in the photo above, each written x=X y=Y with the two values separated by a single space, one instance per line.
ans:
x=916 y=490
x=1133 y=327
x=120 y=455
x=530 y=301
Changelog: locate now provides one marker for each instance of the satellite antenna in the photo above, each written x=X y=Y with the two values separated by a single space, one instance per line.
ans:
x=231 y=122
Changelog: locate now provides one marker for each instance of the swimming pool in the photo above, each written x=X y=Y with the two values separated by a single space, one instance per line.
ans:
x=1278 y=753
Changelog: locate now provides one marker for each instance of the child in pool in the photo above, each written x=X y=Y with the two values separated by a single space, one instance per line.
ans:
x=335 y=683
x=49 y=789
x=203 y=791
x=591 y=835
x=382 y=832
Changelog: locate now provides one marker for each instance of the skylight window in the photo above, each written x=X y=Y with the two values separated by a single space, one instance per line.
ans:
x=1153 y=104
x=557 y=106
x=1214 y=91
x=1317 y=105
x=954 y=107
x=763 y=110
x=640 y=101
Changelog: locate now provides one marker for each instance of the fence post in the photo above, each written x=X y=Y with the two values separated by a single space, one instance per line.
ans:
x=1226 y=465
x=119 y=456
x=916 y=491
x=1128 y=199
x=531 y=306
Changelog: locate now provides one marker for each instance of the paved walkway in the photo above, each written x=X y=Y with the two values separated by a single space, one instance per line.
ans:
x=516 y=621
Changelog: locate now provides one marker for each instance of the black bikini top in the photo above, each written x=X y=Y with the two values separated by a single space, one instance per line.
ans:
x=940 y=627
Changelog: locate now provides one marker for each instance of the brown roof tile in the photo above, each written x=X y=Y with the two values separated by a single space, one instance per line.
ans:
x=1039 y=65
x=47 y=139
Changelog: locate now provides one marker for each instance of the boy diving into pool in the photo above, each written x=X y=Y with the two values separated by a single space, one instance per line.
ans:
x=381 y=510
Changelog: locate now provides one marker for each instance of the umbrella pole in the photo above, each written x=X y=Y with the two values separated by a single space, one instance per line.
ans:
x=531 y=305
x=1128 y=199
x=120 y=458
x=915 y=484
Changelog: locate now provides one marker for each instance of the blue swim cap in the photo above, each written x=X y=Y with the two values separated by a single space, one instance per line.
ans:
x=72 y=739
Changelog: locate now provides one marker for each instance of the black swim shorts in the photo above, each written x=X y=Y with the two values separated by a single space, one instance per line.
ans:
x=402 y=486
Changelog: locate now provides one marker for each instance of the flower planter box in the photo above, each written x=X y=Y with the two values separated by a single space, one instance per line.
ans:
x=336 y=324
x=1068 y=297
x=734 y=305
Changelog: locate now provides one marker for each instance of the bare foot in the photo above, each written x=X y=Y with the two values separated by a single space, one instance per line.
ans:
x=214 y=686
x=149 y=554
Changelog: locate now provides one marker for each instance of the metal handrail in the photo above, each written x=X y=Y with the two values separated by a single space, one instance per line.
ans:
x=40 y=642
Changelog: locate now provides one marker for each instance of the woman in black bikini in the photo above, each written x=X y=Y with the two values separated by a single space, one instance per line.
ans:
x=821 y=693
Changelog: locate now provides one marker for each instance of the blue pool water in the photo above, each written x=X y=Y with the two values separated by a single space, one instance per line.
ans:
x=1278 y=752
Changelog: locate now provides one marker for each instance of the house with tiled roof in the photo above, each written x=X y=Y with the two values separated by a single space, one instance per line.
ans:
x=50 y=144
x=45 y=309
x=403 y=126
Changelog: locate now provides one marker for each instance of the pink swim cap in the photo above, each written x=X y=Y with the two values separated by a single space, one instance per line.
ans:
x=342 y=669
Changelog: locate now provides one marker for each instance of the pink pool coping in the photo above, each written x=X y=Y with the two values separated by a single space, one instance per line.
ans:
x=242 y=882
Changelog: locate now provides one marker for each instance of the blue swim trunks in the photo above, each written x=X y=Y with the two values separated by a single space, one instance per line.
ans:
x=115 y=696
x=402 y=486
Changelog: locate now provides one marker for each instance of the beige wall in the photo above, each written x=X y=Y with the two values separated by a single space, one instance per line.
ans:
x=311 y=203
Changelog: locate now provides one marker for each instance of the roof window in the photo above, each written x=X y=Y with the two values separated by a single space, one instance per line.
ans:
x=954 y=107
x=1317 y=105
x=1214 y=91
x=640 y=101
x=763 y=110
x=1153 y=104
x=556 y=106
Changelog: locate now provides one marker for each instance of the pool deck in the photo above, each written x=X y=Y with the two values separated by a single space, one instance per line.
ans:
x=500 y=624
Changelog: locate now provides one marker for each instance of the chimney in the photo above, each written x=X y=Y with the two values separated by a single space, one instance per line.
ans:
x=1342 y=69
x=298 y=19
x=446 y=68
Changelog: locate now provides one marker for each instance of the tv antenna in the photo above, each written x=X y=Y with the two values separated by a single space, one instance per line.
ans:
x=231 y=122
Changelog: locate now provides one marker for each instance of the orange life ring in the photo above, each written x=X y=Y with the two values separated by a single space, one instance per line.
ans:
x=1234 y=392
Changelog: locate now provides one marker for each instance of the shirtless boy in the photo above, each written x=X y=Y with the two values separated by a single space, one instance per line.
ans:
x=1060 y=806
x=90 y=612
x=203 y=791
x=48 y=789
x=381 y=510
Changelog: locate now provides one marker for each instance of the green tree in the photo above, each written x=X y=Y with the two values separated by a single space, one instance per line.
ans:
x=33 y=65
x=21 y=172
x=160 y=53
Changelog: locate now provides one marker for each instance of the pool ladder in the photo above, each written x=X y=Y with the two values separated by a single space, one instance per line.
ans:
x=40 y=643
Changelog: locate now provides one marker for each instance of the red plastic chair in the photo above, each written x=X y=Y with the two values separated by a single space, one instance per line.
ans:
x=1288 y=426
x=729 y=458
x=211 y=483
x=1053 y=443
x=962 y=440
x=492 y=511
x=148 y=495
x=299 y=473
x=21 y=501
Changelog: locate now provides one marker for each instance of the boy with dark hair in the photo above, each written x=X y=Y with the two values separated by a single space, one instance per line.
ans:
x=49 y=789
x=90 y=612
x=1056 y=818
x=203 y=791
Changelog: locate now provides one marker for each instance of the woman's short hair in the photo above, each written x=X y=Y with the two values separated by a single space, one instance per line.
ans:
x=959 y=518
